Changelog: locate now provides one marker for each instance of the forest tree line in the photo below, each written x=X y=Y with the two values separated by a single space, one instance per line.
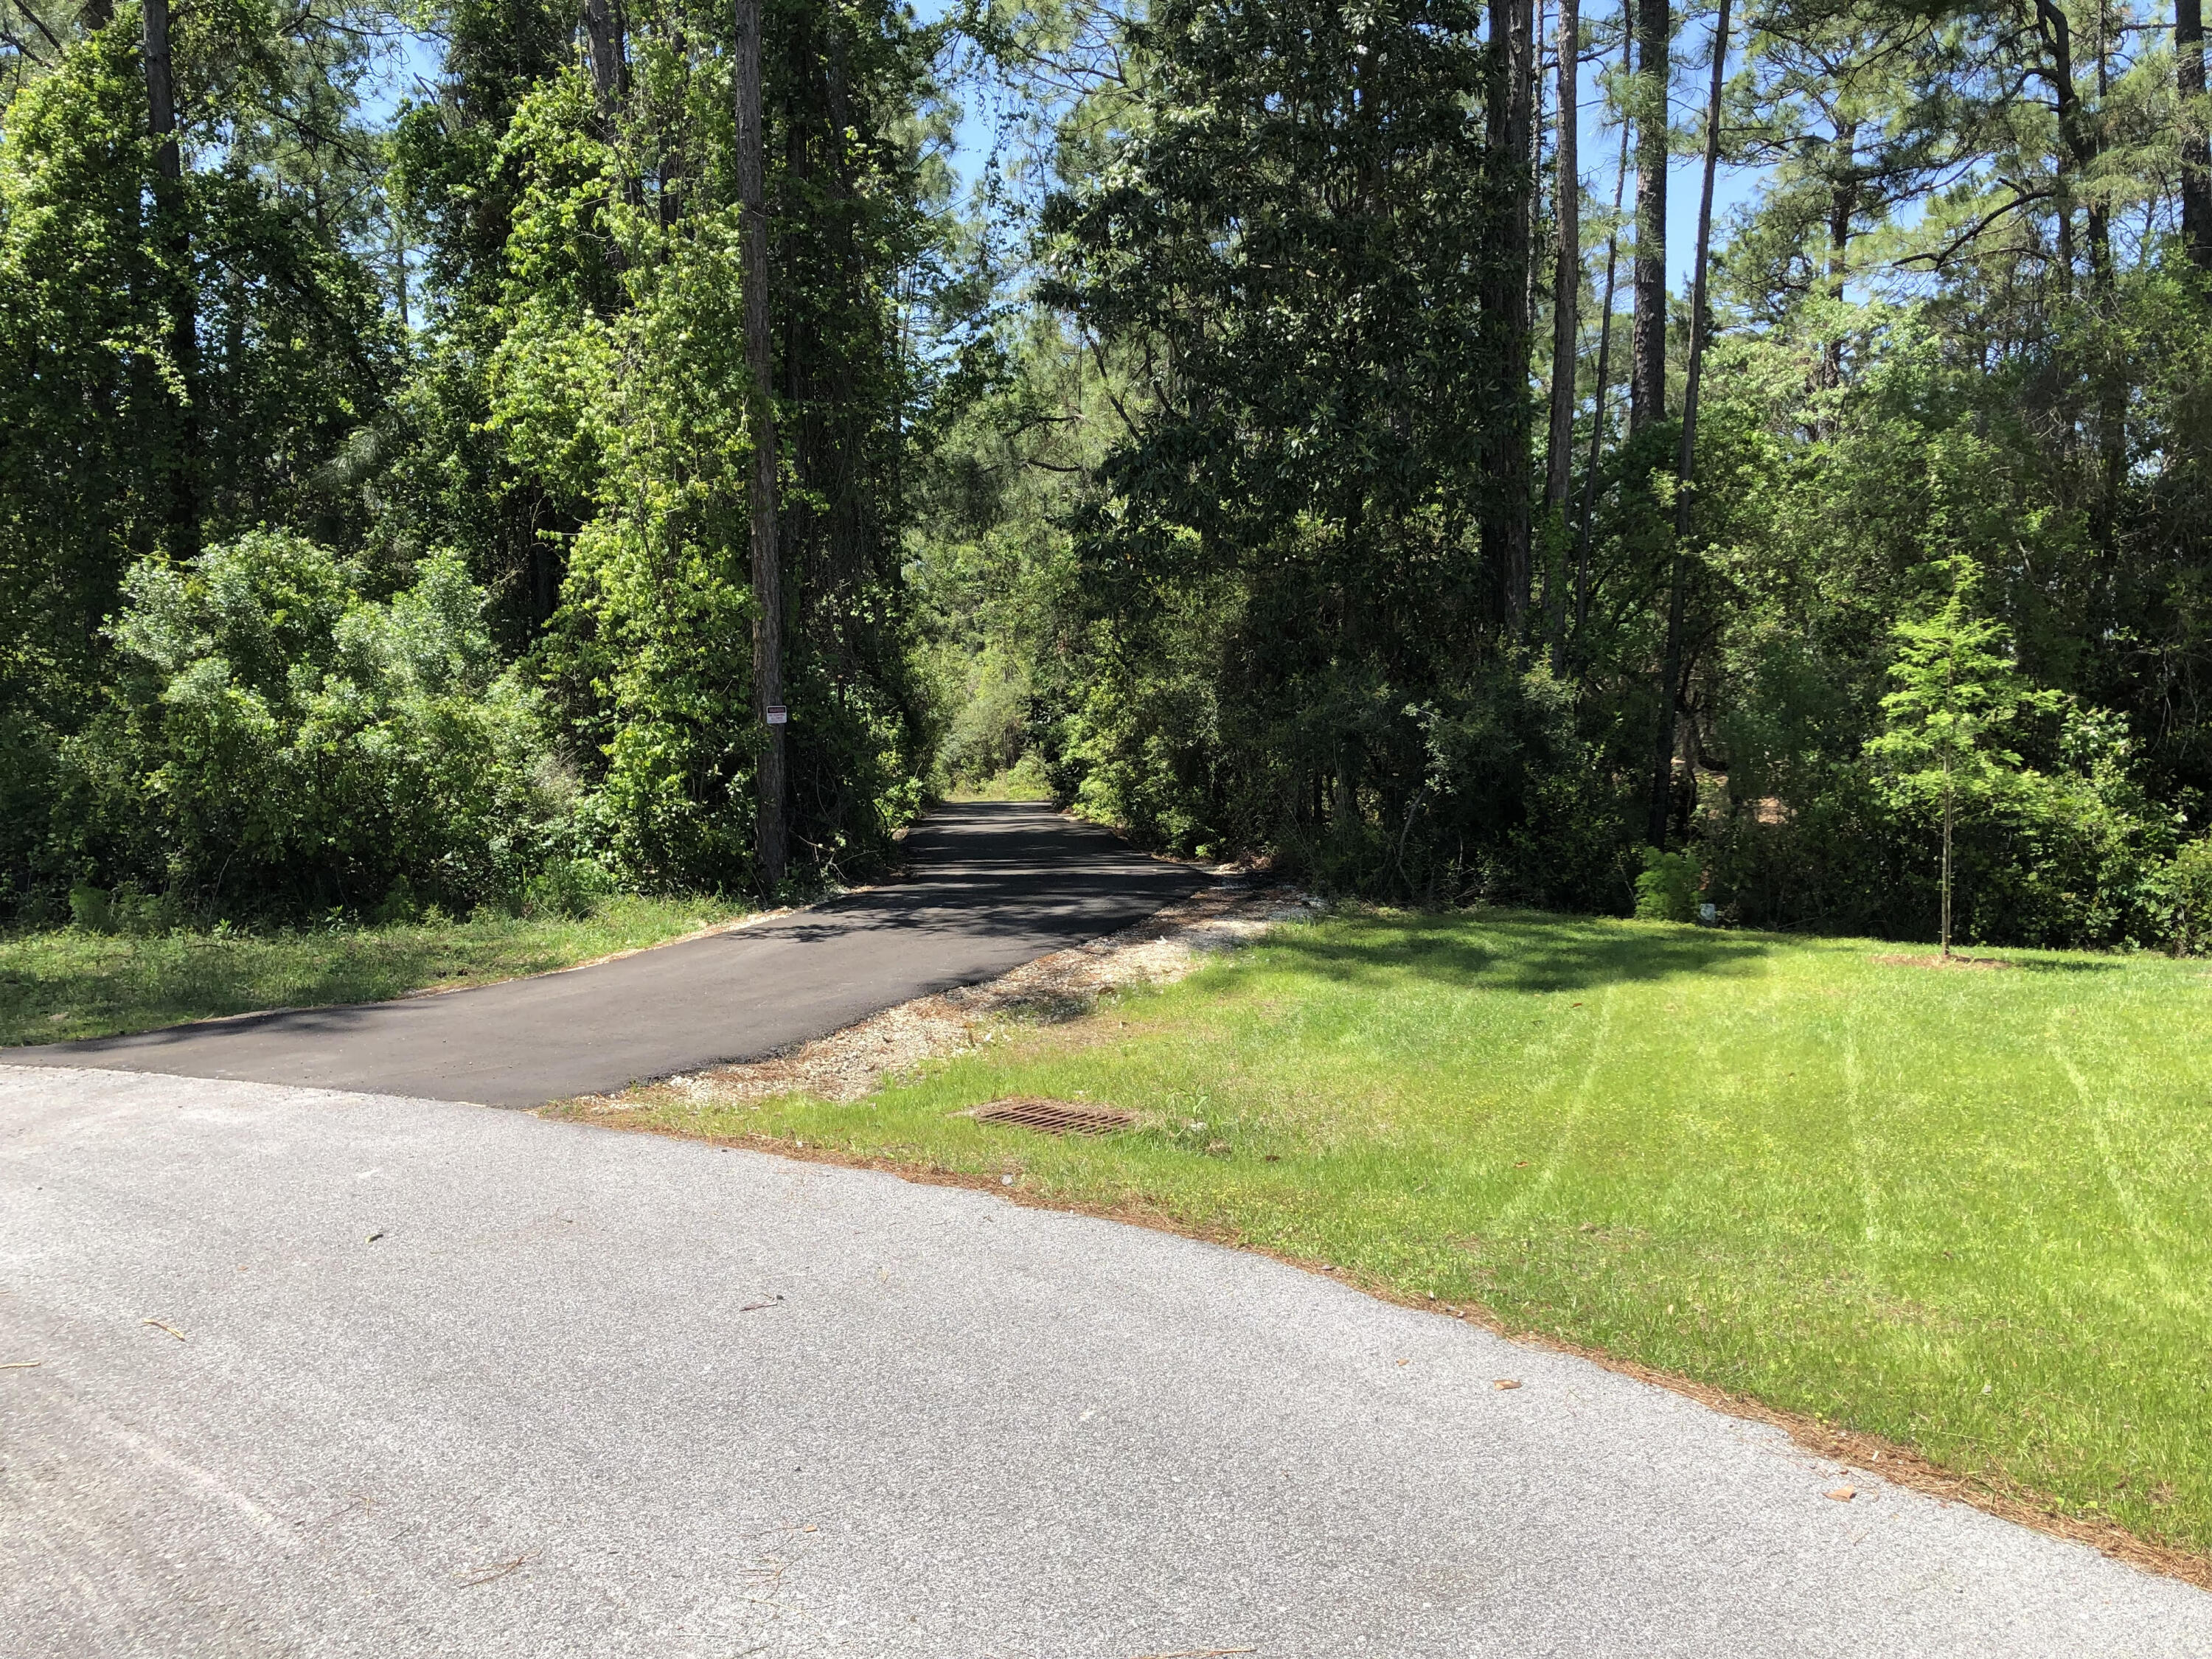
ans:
x=376 y=503
x=1386 y=491
x=1303 y=440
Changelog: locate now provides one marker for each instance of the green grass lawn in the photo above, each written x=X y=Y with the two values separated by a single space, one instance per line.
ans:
x=1966 y=1211
x=71 y=984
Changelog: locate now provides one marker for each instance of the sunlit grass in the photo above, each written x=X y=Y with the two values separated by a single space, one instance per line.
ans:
x=1967 y=1210
x=55 y=985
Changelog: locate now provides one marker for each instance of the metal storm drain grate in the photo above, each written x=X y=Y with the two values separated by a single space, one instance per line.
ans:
x=1059 y=1117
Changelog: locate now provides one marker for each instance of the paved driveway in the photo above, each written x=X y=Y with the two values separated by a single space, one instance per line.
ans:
x=993 y=885
x=457 y=1382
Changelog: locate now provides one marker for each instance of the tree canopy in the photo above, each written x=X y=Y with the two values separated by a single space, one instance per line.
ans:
x=1262 y=421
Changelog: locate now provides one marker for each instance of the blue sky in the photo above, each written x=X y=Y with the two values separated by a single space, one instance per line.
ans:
x=1600 y=155
x=418 y=60
x=1733 y=186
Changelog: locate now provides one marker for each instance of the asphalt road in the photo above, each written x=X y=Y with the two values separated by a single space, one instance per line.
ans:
x=452 y=1381
x=993 y=885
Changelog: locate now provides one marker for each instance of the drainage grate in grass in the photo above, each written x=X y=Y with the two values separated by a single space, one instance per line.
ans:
x=1059 y=1117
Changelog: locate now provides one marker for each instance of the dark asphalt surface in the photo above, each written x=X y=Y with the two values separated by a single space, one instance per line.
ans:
x=993 y=885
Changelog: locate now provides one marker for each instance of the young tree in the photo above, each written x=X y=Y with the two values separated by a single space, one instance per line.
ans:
x=183 y=341
x=1959 y=695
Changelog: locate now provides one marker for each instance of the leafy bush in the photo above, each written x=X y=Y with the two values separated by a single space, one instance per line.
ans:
x=567 y=887
x=1669 y=890
x=2182 y=899
x=2060 y=861
x=128 y=909
x=90 y=908
x=279 y=738
x=1025 y=779
x=2069 y=858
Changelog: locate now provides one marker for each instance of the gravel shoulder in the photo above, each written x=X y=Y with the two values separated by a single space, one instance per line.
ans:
x=1164 y=947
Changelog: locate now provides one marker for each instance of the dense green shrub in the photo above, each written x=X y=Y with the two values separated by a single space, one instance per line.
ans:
x=2182 y=897
x=279 y=737
x=90 y=908
x=1669 y=890
x=2069 y=859
x=567 y=887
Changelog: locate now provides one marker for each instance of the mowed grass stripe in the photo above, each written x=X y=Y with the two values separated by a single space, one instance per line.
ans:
x=1967 y=1210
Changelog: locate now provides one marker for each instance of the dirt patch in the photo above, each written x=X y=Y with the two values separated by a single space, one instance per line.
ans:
x=1941 y=962
x=851 y=1063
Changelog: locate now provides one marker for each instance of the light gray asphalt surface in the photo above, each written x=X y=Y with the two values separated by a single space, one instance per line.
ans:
x=597 y=1393
x=993 y=885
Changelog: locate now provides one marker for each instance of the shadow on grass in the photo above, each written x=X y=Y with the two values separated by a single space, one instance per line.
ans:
x=73 y=989
x=1515 y=951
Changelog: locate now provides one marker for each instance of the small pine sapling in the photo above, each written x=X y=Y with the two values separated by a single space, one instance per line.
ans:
x=1960 y=694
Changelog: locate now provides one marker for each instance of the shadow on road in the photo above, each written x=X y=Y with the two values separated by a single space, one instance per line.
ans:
x=992 y=885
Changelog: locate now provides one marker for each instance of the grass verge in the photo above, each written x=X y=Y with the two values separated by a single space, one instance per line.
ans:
x=57 y=985
x=1966 y=1214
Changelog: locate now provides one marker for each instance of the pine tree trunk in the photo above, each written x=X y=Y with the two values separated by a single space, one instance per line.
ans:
x=609 y=53
x=1566 y=324
x=1670 y=687
x=1521 y=144
x=173 y=234
x=1506 y=529
x=1686 y=453
x=399 y=259
x=1843 y=206
x=1566 y=269
x=2195 y=154
x=760 y=362
x=1604 y=351
x=1947 y=857
x=1647 y=367
x=602 y=32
